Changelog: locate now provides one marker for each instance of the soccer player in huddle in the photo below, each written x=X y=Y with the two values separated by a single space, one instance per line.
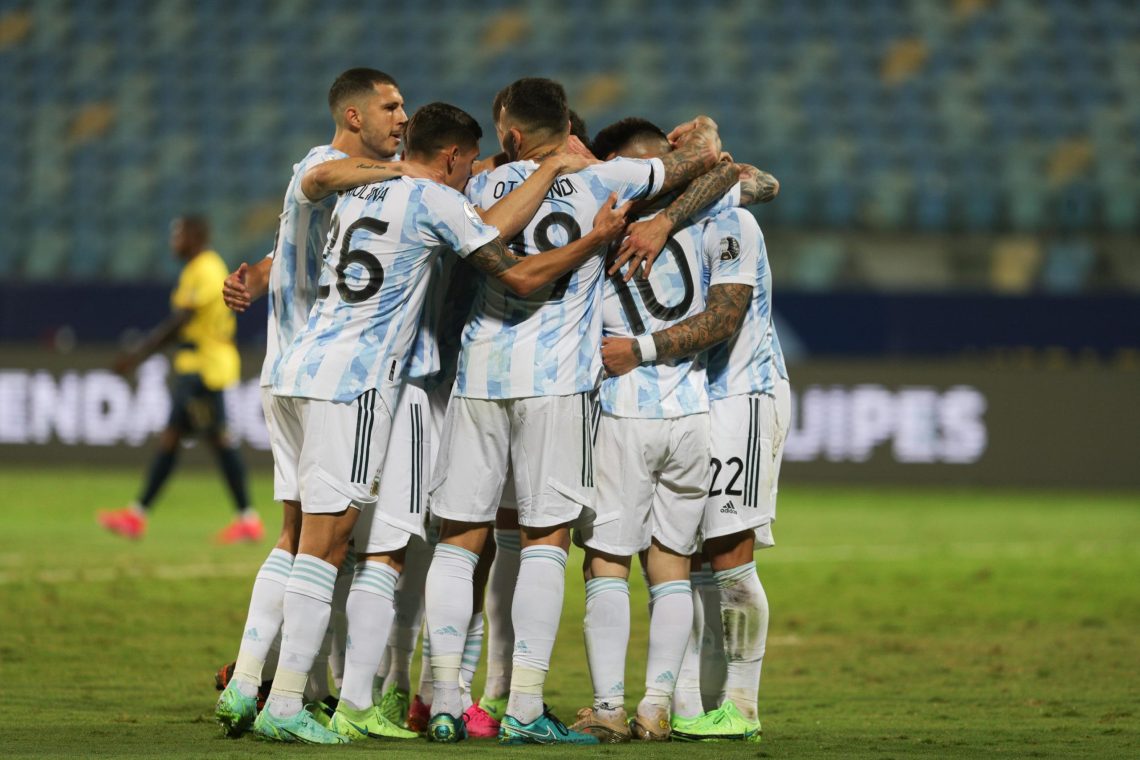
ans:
x=524 y=394
x=336 y=385
x=652 y=454
x=205 y=363
x=368 y=113
x=749 y=404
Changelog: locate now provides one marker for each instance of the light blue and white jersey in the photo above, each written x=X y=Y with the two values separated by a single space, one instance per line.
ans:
x=297 y=250
x=436 y=348
x=750 y=361
x=384 y=241
x=673 y=292
x=548 y=343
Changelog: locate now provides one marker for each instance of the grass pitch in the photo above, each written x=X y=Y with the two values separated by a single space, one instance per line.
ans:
x=905 y=623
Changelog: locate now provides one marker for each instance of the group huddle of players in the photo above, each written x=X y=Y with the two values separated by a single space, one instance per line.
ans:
x=470 y=361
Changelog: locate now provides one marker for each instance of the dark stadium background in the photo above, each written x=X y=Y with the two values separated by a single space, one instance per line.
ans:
x=959 y=204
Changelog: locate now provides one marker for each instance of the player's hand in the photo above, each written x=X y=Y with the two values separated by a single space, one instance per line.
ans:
x=234 y=292
x=569 y=163
x=610 y=221
x=677 y=135
x=619 y=355
x=578 y=148
x=642 y=246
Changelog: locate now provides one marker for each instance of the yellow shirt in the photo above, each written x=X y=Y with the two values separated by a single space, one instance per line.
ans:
x=206 y=342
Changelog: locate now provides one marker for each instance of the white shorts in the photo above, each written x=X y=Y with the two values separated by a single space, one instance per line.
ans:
x=401 y=496
x=328 y=453
x=652 y=480
x=285 y=443
x=747 y=445
x=548 y=441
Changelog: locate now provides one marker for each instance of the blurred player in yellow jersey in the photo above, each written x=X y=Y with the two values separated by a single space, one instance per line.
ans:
x=206 y=362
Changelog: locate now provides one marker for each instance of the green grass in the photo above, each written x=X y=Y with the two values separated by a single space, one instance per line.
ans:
x=905 y=623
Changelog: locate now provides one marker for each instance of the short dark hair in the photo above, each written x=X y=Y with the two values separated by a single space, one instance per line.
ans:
x=354 y=83
x=439 y=125
x=537 y=104
x=578 y=128
x=197 y=225
x=497 y=105
x=619 y=134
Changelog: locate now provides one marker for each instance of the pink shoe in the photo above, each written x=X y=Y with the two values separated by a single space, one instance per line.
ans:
x=418 y=715
x=125 y=522
x=480 y=724
x=247 y=529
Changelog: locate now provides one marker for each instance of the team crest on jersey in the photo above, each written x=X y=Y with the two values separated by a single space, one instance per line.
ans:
x=470 y=211
x=729 y=249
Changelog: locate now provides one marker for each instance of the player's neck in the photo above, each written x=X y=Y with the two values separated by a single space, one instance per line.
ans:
x=543 y=150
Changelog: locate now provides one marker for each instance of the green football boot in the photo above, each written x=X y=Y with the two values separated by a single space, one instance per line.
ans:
x=446 y=729
x=302 y=727
x=365 y=724
x=545 y=729
x=323 y=711
x=496 y=708
x=235 y=711
x=725 y=723
x=394 y=705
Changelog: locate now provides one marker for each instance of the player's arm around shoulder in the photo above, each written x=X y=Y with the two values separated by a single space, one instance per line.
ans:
x=340 y=174
x=524 y=275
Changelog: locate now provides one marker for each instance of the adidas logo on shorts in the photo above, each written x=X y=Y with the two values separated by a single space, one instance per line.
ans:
x=728 y=509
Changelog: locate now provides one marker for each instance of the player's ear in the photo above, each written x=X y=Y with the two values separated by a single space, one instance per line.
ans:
x=352 y=117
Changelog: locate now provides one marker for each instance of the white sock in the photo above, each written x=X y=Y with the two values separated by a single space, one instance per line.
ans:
x=670 y=622
x=308 y=606
x=713 y=665
x=536 y=612
x=426 y=688
x=317 y=687
x=263 y=621
x=606 y=630
x=339 y=641
x=687 y=695
x=409 y=618
x=471 y=652
x=500 y=629
x=370 y=611
x=744 y=611
x=448 y=593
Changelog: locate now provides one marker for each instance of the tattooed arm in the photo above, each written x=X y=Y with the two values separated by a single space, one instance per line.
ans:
x=724 y=313
x=647 y=238
x=697 y=151
x=341 y=174
x=756 y=186
x=526 y=274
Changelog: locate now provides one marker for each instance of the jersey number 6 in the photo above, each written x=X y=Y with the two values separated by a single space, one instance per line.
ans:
x=359 y=256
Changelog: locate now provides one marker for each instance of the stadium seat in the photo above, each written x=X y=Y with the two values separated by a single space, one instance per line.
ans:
x=858 y=108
